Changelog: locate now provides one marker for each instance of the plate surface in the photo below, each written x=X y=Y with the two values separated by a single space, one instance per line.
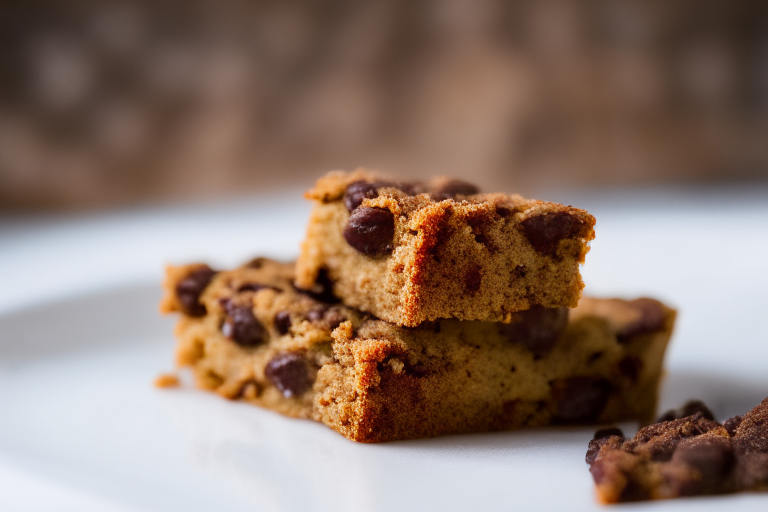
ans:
x=83 y=429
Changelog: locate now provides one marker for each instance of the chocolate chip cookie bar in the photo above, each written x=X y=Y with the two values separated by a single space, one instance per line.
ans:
x=415 y=252
x=686 y=455
x=249 y=334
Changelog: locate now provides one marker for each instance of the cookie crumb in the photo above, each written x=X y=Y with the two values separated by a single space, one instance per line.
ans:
x=167 y=380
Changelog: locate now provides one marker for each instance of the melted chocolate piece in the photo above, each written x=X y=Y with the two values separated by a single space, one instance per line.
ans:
x=651 y=319
x=241 y=326
x=255 y=287
x=690 y=408
x=189 y=289
x=322 y=290
x=453 y=188
x=545 y=231
x=282 y=322
x=357 y=191
x=289 y=373
x=537 y=329
x=370 y=230
x=580 y=399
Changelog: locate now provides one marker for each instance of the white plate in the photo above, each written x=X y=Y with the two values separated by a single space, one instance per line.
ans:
x=82 y=428
x=79 y=410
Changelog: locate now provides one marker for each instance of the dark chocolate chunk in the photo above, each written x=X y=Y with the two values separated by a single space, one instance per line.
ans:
x=537 y=329
x=631 y=367
x=651 y=319
x=322 y=290
x=608 y=432
x=282 y=322
x=412 y=188
x=546 y=230
x=189 y=289
x=580 y=399
x=604 y=436
x=289 y=373
x=255 y=287
x=357 y=191
x=333 y=317
x=711 y=457
x=316 y=315
x=451 y=189
x=690 y=408
x=370 y=230
x=241 y=326
x=506 y=211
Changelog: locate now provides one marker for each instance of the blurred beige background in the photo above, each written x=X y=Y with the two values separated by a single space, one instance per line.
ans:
x=108 y=103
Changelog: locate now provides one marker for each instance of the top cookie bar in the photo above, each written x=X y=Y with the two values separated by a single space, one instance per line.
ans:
x=410 y=252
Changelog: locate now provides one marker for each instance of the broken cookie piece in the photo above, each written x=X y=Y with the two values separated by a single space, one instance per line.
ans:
x=266 y=342
x=687 y=455
x=410 y=252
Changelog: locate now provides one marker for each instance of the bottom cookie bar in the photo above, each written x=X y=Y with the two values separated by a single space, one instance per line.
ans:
x=248 y=334
x=688 y=456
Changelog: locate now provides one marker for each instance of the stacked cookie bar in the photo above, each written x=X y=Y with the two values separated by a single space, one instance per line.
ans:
x=423 y=309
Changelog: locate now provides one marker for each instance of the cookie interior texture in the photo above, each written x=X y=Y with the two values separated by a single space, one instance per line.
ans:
x=414 y=252
x=250 y=334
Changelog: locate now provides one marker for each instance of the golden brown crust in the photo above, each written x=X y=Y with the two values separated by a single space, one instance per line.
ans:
x=468 y=257
x=374 y=381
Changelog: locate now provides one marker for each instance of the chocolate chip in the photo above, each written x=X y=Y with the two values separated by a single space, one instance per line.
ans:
x=322 y=290
x=282 y=322
x=333 y=318
x=289 y=373
x=255 y=287
x=453 y=188
x=546 y=230
x=712 y=457
x=316 y=315
x=608 y=432
x=241 y=326
x=189 y=289
x=602 y=437
x=580 y=399
x=537 y=329
x=357 y=191
x=370 y=230
x=631 y=367
x=505 y=211
x=651 y=318
x=412 y=188
x=690 y=408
